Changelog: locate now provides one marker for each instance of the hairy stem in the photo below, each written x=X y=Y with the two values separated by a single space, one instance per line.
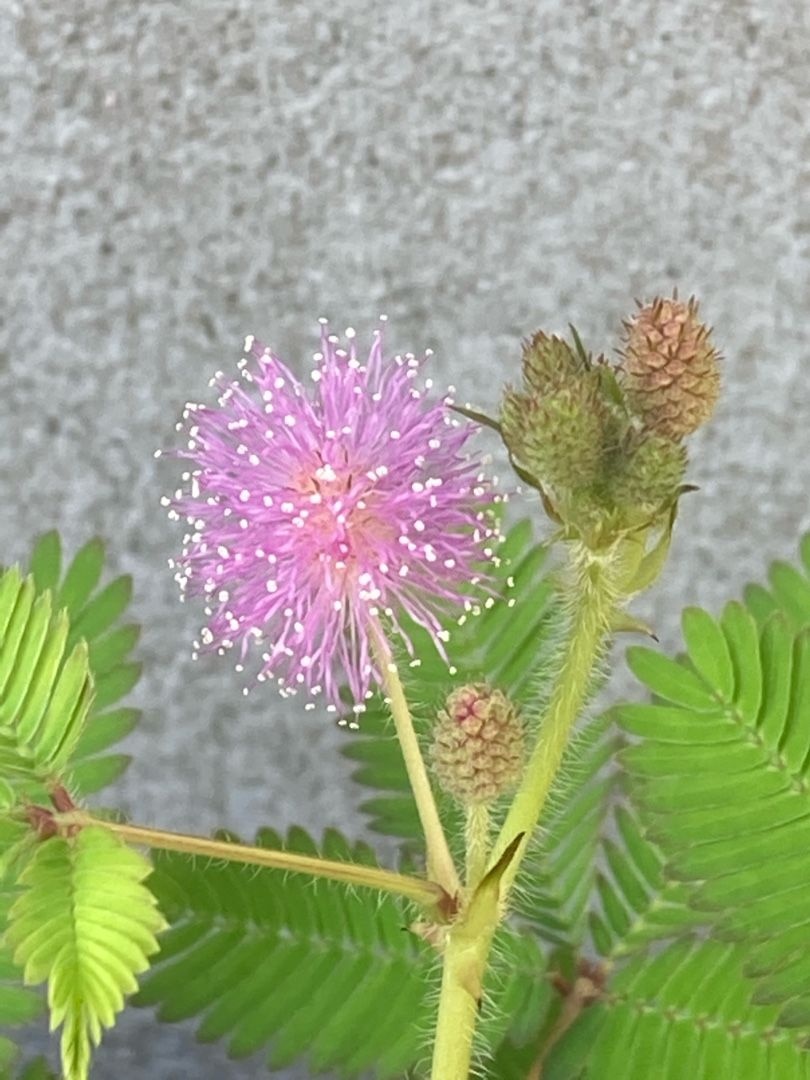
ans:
x=440 y=865
x=423 y=892
x=465 y=962
x=460 y=996
x=592 y=604
x=477 y=843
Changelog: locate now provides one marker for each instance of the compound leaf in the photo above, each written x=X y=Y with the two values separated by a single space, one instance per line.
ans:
x=85 y=923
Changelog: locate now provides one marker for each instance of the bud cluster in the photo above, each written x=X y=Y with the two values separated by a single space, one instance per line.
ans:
x=478 y=744
x=603 y=443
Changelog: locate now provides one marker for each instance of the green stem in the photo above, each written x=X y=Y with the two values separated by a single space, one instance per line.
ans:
x=593 y=603
x=440 y=865
x=423 y=892
x=459 y=1000
x=478 y=818
x=465 y=962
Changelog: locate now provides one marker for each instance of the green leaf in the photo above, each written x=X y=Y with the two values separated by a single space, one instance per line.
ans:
x=102 y=732
x=47 y=673
x=107 y=652
x=17 y=1005
x=248 y=948
x=92 y=774
x=113 y=685
x=47 y=714
x=46 y=561
x=722 y=777
x=708 y=651
x=789 y=591
x=275 y=961
x=46 y=691
x=683 y=1012
x=670 y=680
x=38 y=1069
x=81 y=578
x=100 y=612
x=86 y=924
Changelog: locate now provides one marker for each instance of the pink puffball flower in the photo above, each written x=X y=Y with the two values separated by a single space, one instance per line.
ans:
x=314 y=512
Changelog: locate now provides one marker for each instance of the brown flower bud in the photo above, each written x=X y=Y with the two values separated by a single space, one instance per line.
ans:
x=670 y=367
x=478 y=745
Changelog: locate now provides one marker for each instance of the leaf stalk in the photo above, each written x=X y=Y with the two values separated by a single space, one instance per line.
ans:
x=427 y=893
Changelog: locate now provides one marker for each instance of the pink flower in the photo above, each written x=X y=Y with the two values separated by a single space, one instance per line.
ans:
x=313 y=513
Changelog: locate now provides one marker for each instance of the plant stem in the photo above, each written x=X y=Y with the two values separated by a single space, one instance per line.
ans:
x=584 y=992
x=460 y=996
x=423 y=892
x=440 y=865
x=477 y=843
x=465 y=963
x=592 y=604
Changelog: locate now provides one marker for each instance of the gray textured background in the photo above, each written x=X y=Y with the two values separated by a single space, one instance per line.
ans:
x=177 y=174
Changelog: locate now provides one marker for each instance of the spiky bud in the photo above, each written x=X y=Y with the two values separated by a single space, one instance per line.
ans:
x=670 y=367
x=548 y=361
x=650 y=474
x=558 y=436
x=478 y=744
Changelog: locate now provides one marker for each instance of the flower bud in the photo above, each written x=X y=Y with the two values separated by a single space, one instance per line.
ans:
x=478 y=745
x=558 y=436
x=548 y=361
x=670 y=367
x=651 y=473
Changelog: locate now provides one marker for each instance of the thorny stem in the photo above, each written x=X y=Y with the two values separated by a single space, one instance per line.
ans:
x=440 y=865
x=423 y=892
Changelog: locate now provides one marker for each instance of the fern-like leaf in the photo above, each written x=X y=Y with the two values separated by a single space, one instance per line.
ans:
x=45 y=686
x=788 y=591
x=52 y=727
x=685 y=1012
x=722 y=772
x=264 y=958
x=94 y=616
x=85 y=924
x=18 y=1006
x=309 y=969
x=637 y=901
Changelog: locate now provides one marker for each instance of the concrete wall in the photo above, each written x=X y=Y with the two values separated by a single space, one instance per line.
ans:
x=176 y=174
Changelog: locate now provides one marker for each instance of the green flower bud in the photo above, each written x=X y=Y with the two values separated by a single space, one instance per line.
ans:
x=478 y=745
x=558 y=436
x=548 y=361
x=650 y=474
x=670 y=367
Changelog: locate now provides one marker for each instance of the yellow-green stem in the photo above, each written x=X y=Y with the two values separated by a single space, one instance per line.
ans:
x=440 y=865
x=477 y=843
x=592 y=605
x=423 y=892
x=465 y=962
x=462 y=975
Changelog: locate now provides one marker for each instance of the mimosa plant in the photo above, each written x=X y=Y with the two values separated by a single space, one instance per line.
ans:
x=616 y=897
